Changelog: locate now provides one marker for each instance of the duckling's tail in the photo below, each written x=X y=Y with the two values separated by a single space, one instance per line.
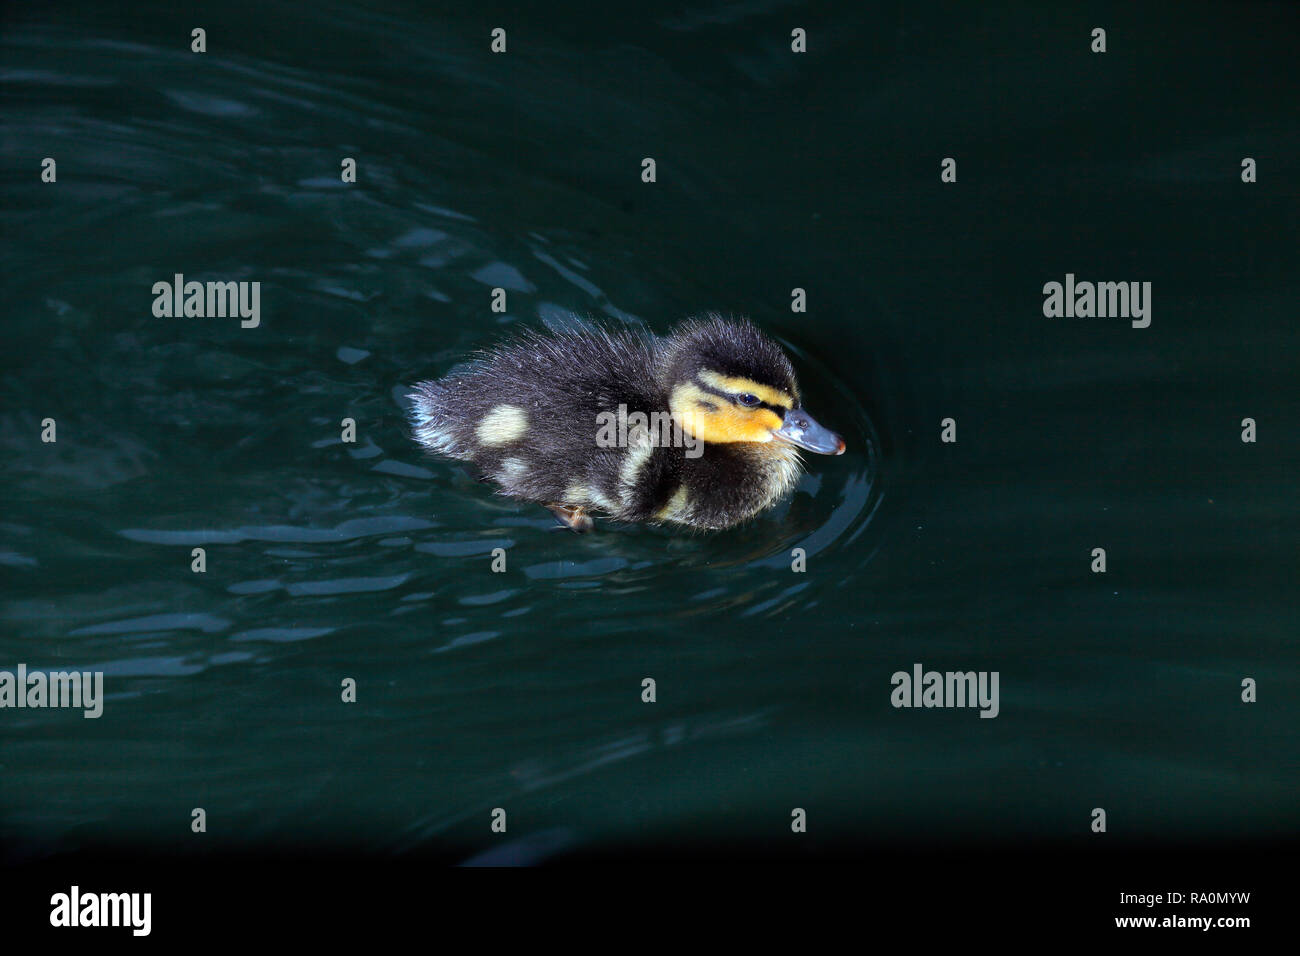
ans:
x=431 y=419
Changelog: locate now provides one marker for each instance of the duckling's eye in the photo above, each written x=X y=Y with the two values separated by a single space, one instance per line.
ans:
x=748 y=400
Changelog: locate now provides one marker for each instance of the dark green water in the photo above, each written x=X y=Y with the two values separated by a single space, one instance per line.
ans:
x=522 y=690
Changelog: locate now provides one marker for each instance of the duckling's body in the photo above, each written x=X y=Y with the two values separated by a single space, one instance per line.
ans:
x=551 y=417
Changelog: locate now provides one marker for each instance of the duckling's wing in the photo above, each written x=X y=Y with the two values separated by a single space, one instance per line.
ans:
x=527 y=412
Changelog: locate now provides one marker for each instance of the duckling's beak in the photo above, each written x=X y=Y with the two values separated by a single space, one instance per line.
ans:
x=801 y=429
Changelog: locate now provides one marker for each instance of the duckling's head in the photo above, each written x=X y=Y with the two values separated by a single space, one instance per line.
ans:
x=728 y=382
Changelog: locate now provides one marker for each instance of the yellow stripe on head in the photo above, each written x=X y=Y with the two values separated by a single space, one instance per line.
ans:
x=738 y=384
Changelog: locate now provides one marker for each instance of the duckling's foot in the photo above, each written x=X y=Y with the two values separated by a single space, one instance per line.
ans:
x=572 y=517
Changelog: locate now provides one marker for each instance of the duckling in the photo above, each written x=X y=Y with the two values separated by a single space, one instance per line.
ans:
x=701 y=428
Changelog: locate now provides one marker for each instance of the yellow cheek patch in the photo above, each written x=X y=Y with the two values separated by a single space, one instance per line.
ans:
x=735 y=424
x=737 y=384
x=502 y=425
x=723 y=422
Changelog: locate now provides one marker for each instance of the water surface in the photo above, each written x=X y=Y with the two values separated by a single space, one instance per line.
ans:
x=522 y=690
